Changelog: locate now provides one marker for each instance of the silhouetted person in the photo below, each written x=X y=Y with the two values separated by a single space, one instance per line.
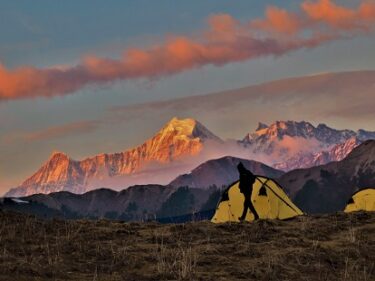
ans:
x=247 y=179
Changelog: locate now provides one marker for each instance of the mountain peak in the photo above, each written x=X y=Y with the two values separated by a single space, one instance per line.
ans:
x=181 y=126
x=365 y=135
x=58 y=156
x=291 y=124
x=322 y=126
x=279 y=129
x=261 y=126
x=293 y=138
x=177 y=140
x=188 y=127
x=303 y=129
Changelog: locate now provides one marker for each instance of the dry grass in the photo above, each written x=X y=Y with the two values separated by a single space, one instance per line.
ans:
x=335 y=247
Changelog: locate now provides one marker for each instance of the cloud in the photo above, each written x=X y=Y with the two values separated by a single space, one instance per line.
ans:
x=327 y=12
x=62 y=131
x=279 y=20
x=295 y=145
x=155 y=172
x=226 y=40
x=318 y=16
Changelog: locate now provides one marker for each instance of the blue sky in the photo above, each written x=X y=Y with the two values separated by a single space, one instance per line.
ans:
x=44 y=33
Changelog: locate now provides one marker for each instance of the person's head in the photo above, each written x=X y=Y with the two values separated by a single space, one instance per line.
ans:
x=245 y=175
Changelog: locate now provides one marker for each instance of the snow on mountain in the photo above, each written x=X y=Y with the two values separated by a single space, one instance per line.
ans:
x=268 y=139
x=302 y=144
x=179 y=138
x=365 y=135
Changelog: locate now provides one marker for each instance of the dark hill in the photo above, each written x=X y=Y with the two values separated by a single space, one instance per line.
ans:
x=327 y=188
x=221 y=172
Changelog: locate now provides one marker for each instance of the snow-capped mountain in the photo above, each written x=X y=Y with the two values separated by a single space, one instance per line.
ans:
x=179 y=138
x=302 y=144
x=270 y=138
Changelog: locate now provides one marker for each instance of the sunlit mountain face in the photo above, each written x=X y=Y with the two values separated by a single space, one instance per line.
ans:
x=179 y=139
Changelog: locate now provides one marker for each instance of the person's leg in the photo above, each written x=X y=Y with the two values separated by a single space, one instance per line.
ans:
x=252 y=209
x=245 y=208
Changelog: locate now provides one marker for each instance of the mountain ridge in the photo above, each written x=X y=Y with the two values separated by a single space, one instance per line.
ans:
x=320 y=189
x=177 y=139
x=221 y=172
x=300 y=142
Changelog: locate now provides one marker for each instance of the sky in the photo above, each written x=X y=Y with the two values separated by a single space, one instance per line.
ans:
x=64 y=66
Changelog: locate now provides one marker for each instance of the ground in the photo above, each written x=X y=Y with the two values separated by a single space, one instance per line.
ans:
x=329 y=247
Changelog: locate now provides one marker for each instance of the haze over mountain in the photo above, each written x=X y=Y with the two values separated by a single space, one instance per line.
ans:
x=311 y=159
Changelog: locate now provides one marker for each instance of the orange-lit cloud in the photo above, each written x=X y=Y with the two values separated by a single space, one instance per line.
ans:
x=226 y=40
x=326 y=11
x=279 y=20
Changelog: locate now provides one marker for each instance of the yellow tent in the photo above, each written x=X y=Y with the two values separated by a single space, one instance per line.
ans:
x=268 y=200
x=362 y=200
